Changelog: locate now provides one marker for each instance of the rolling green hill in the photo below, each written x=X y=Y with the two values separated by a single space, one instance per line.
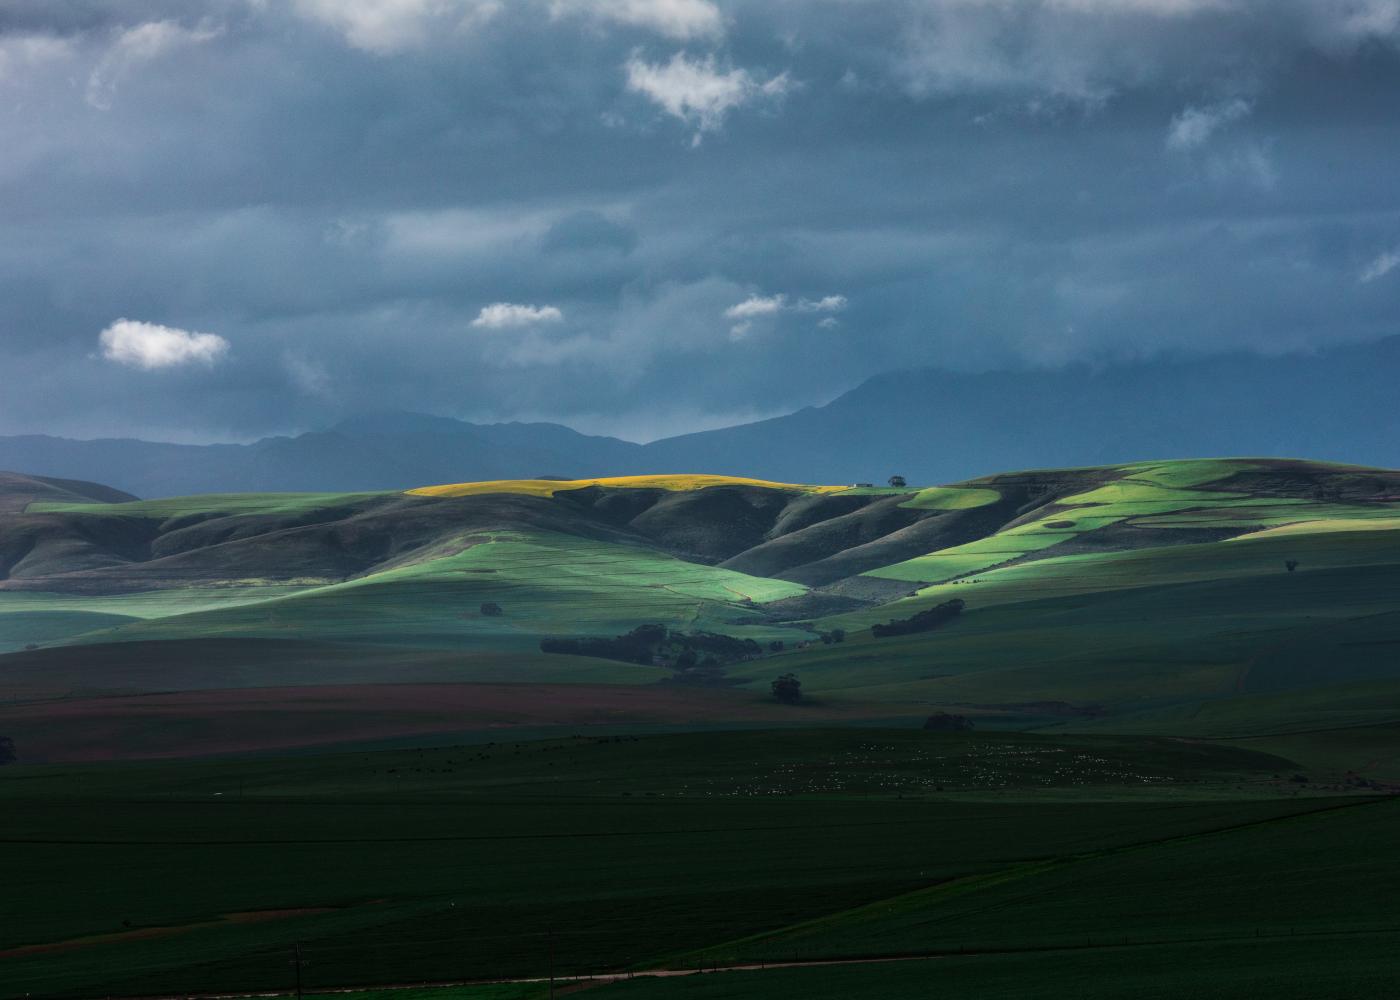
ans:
x=1143 y=597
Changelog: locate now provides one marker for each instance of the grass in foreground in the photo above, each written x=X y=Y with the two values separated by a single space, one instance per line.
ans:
x=1320 y=967
x=479 y=862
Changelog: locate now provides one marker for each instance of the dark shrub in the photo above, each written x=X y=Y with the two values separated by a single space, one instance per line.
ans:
x=490 y=609
x=943 y=722
x=787 y=689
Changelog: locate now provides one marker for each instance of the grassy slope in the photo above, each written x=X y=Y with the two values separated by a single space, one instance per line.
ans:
x=1129 y=649
x=1169 y=495
x=1141 y=629
x=546 y=583
x=208 y=505
x=35 y=617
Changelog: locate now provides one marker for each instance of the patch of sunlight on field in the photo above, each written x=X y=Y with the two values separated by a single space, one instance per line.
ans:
x=546 y=583
x=1259 y=554
x=210 y=504
x=952 y=498
x=960 y=560
x=1192 y=472
x=145 y=604
x=1129 y=492
x=1326 y=526
x=36 y=617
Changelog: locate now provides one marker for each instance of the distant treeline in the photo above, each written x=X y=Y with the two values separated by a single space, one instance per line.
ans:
x=924 y=621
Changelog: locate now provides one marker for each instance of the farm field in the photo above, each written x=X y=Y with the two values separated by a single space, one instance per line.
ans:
x=484 y=861
x=1287 y=968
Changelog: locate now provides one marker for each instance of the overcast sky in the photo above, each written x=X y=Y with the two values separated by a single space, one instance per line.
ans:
x=229 y=218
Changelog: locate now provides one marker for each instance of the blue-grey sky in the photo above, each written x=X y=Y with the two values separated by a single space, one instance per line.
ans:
x=228 y=218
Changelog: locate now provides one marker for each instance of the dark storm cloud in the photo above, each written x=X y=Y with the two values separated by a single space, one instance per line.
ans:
x=338 y=189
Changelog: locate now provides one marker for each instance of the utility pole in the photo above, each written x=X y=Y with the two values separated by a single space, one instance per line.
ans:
x=297 y=963
x=551 y=964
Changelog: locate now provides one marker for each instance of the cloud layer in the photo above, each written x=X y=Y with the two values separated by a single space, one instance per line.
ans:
x=637 y=215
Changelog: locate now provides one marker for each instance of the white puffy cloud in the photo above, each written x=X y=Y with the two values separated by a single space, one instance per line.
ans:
x=1380 y=267
x=680 y=19
x=827 y=303
x=385 y=27
x=1193 y=126
x=697 y=91
x=134 y=47
x=757 y=306
x=502 y=315
x=150 y=346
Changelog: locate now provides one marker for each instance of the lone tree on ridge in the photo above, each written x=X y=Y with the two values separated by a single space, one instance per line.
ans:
x=897 y=481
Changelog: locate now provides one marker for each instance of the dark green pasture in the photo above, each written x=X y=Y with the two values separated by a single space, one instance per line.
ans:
x=499 y=860
x=1320 y=967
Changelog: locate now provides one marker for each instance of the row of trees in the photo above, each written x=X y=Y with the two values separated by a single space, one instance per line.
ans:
x=930 y=618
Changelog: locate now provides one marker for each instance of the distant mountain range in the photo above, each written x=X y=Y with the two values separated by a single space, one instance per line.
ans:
x=928 y=425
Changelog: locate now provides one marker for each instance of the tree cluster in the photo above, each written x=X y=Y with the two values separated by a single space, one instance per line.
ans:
x=945 y=722
x=787 y=689
x=924 y=621
x=655 y=644
x=637 y=646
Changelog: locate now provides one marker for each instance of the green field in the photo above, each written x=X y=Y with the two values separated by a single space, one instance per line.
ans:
x=633 y=852
x=1314 y=967
x=546 y=583
x=208 y=505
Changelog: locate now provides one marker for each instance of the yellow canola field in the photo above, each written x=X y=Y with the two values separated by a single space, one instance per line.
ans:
x=549 y=487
